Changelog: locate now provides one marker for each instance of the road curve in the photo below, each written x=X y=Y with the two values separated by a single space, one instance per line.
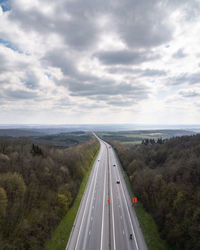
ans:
x=103 y=225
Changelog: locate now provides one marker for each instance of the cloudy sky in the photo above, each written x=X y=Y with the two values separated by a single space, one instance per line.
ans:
x=100 y=61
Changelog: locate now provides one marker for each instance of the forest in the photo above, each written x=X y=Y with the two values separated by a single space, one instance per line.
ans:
x=165 y=177
x=38 y=185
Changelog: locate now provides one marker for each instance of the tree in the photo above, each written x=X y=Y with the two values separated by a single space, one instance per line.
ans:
x=3 y=202
x=36 y=150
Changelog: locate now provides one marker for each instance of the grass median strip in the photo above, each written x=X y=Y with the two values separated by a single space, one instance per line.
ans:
x=61 y=234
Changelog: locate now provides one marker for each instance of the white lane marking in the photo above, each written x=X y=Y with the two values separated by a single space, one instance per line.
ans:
x=93 y=181
x=128 y=214
x=102 y=224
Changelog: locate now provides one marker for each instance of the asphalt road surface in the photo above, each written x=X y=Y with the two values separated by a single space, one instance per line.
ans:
x=103 y=225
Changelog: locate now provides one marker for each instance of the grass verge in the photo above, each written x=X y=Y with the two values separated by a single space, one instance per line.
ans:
x=147 y=224
x=61 y=234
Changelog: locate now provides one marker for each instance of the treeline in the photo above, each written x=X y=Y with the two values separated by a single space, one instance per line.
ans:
x=38 y=185
x=166 y=179
x=153 y=141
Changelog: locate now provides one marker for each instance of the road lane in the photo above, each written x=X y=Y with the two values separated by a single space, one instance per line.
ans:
x=84 y=232
x=129 y=216
x=98 y=224
x=97 y=215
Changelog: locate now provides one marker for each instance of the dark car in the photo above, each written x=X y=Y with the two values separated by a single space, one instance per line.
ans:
x=114 y=165
x=118 y=182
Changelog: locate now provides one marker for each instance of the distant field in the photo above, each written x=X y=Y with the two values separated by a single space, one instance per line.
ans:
x=136 y=137
x=59 y=140
x=131 y=142
x=64 y=140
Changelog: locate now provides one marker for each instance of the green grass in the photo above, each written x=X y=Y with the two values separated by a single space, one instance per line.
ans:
x=131 y=142
x=61 y=234
x=145 y=135
x=147 y=224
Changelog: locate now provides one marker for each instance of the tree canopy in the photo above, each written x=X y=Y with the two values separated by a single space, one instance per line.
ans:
x=165 y=176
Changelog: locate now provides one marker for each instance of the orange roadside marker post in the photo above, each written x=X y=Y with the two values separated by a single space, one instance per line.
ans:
x=134 y=200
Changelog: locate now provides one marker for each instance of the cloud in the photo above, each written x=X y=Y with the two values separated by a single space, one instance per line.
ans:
x=59 y=59
x=105 y=87
x=19 y=94
x=122 y=102
x=3 y=63
x=137 y=71
x=125 y=57
x=179 y=54
x=31 y=80
x=70 y=56
x=107 y=91
x=193 y=78
x=9 y=45
x=74 y=24
x=142 y=24
x=153 y=72
x=189 y=93
x=138 y=24
x=189 y=9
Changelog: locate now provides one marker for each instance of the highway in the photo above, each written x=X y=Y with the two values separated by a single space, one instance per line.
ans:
x=103 y=225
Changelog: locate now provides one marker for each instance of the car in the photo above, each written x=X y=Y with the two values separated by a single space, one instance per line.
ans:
x=118 y=182
x=114 y=165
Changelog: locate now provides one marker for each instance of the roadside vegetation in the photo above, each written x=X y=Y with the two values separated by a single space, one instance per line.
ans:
x=165 y=177
x=63 y=140
x=61 y=234
x=38 y=186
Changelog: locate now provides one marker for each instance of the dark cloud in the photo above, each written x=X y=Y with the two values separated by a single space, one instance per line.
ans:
x=125 y=57
x=31 y=80
x=67 y=65
x=79 y=33
x=59 y=59
x=3 y=63
x=189 y=93
x=91 y=86
x=153 y=72
x=142 y=24
x=136 y=71
x=10 y=94
x=74 y=22
x=179 y=54
x=110 y=92
x=122 y=70
x=122 y=103
x=63 y=103
x=186 y=78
